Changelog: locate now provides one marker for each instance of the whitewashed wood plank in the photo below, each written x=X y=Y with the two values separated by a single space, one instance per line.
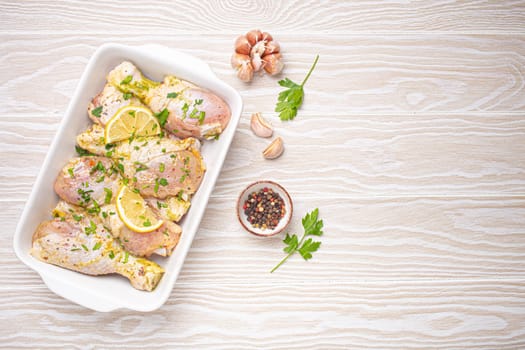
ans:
x=333 y=156
x=384 y=315
x=365 y=239
x=374 y=74
x=296 y=16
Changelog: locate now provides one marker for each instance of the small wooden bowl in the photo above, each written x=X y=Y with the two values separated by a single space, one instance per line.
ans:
x=255 y=187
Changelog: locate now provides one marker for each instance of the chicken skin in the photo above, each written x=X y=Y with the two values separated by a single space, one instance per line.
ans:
x=93 y=183
x=192 y=111
x=85 y=246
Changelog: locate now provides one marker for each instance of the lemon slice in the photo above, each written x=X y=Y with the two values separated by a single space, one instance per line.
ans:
x=131 y=121
x=134 y=212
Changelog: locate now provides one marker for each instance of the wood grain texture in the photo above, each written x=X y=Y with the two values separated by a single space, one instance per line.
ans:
x=411 y=141
x=369 y=155
x=460 y=314
x=234 y=16
x=365 y=239
x=374 y=74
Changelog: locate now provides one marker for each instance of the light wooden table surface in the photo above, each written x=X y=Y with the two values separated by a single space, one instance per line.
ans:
x=411 y=141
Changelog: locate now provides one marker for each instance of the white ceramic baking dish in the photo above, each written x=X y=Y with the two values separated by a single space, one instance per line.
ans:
x=107 y=293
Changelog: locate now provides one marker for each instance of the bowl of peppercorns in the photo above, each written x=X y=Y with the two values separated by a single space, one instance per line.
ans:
x=264 y=208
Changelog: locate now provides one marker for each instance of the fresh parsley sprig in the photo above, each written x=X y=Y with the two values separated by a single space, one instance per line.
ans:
x=291 y=99
x=312 y=227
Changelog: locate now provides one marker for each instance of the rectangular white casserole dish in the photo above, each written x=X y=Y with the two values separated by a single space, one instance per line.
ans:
x=107 y=293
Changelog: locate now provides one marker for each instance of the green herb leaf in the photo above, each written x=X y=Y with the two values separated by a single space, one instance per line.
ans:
x=162 y=167
x=312 y=227
x=290 y=100
x=82 y=152
x=162 y=116
x=76 y=217
x=308 y=247
x=127 y=95
x=84 y=247
x=291 y=243
x=126 y=256
x=111 y=254
x=172 y=95
x=163 y=182
x=127 y=79
x=109 y=195
x=97 y=111
x=92 y=228
x=70 y=171
x=156 y=187
x=97 y=246
x=147 y=223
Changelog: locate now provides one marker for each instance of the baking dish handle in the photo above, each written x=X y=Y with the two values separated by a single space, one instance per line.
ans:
x=77 y=295
x=188 y=60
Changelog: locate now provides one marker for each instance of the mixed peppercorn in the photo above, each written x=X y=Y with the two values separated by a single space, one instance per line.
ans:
x=264 y=209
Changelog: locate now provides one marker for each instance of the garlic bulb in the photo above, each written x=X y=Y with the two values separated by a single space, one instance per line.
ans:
x=256 y=51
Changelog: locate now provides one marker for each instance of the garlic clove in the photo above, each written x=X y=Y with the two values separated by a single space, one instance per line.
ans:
x=242 y=45
x=256 y=54
x=274 y=149
x=266 y=36
x=271 y=47
x=238 y=60
x=245 y=73
x=254 y=36
x=259 y=126
x=257 y=63
x=243 y=65
x=274 y=65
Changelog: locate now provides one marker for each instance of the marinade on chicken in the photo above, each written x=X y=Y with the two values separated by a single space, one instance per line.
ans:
x=81 y=243
x=192 y=111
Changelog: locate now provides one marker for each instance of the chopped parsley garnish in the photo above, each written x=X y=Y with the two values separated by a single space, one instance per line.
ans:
x=172 y=95
x=104 y=214
x=92 y=228
x=98 y=167
x=156 y=188
x=100 y=179
x=161 y=205
x=74 y=249
x=163 y=182
x=97 y=111
x=126 y=256
x=84 y=195
x=162 y=116
x=162 y=167
x=120 y=167
x=127 y=95
x=147 y=223
x=111 y=254
x=70 y=171
x=109 y=195
x=82 y=152
x=77 y=217
x=140 y=166
x=127 y=79
x=97 y=246
x=95 y=209
x=84 y=247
